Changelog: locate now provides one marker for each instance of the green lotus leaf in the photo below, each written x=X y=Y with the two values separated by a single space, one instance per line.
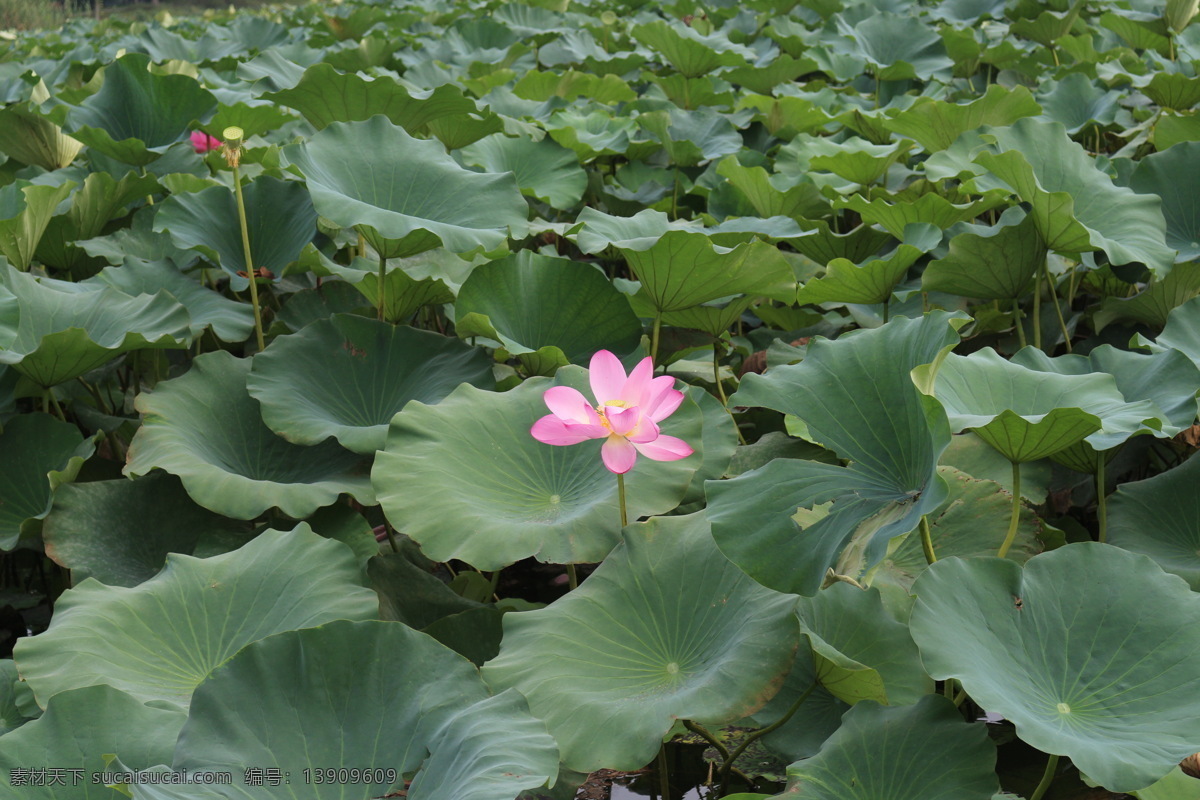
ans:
x=1182 y=331
x=763 y=78
x=255 y=118
x=230 y=320
x=159 y=639
x=32 y=139
x=714 y=318
x=1174 y=91
x=205 y=428
x=280 y=220
x=426 y=199
x=690 y=53
x=347 y=376
x=783 y=116
x=1143 y=34
x=404 y=294
x=869 y=282
x=1049 y=26
x=99 y=200
x=996 y=262
x=861 y=652
x=971 y=522
x=138 y=113
x=25 y=211
x=1160 y=517
x=896 y=47
x=87 y=530
x=1167 y=379
x=684 y=269
x=876 y=420
x=669 y=640
x=692 y=137
x=81 y=730
x=935 y=124
x=775 y=195
x=1074 y=664
x=1153 y=305
x=543 y=170
x=970 y=454
x=312 y=305
x=594 y=230
x=466 y=480
x=1027 y=414
x=410 y=594
x=592 y=134
x=52 y=331
x=531 y=302
x=1078 y=103
x=435 y=710
x=859 y=244
x=854 y=159
x=928 y=208
x=1076 y=206
x=140 y=242
x=1169 y=175
x=1177 y=785
x=37 y=453
x=571 y=85
x=11 y=717
x=325 y=96
x=923 y=750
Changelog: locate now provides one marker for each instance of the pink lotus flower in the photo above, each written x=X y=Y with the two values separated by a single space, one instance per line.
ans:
x=626 y=416
x=202 y=142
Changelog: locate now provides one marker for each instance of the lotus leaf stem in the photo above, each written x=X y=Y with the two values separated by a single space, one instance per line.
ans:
x=727 y=767
x=886 y=302
x=704 y=734
x=1016 y=315
x=1016 y=510
x=927 y=540
x=1101 y=503
x=241 y=208
x=572 y=578
x=664 y=783
x=1037 y=310
x=1047 y=778
x=1062 y=323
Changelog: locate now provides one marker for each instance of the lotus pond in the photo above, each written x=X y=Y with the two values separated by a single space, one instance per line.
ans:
x=459 y=399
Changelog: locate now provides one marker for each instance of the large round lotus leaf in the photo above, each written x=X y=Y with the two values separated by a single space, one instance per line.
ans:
x=881 y=752
x=204 y=427
x=347 y=376
x=230 y=320
x=89 y=528
x=658 y=632
x=544 y=170
x=362 y=695
x=1079 y=648
x=861 y=652
x=874 y=418
x=989 y=262
x=52 y=331
x=137 y=110
x=1160 y=517
x=418 y=197
x=466 y=480
x=1027 y=414
x=159 y=639
x=1171 y=175
x=1075 y=205
x=684 y=269
x=687 y=50
x=530 y=302
x=37 y=452
x=81 y=730
x=25 y=212
x=1182 y=331
x=280 y=220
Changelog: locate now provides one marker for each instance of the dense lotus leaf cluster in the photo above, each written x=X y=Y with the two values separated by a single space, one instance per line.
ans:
x=919 y=279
